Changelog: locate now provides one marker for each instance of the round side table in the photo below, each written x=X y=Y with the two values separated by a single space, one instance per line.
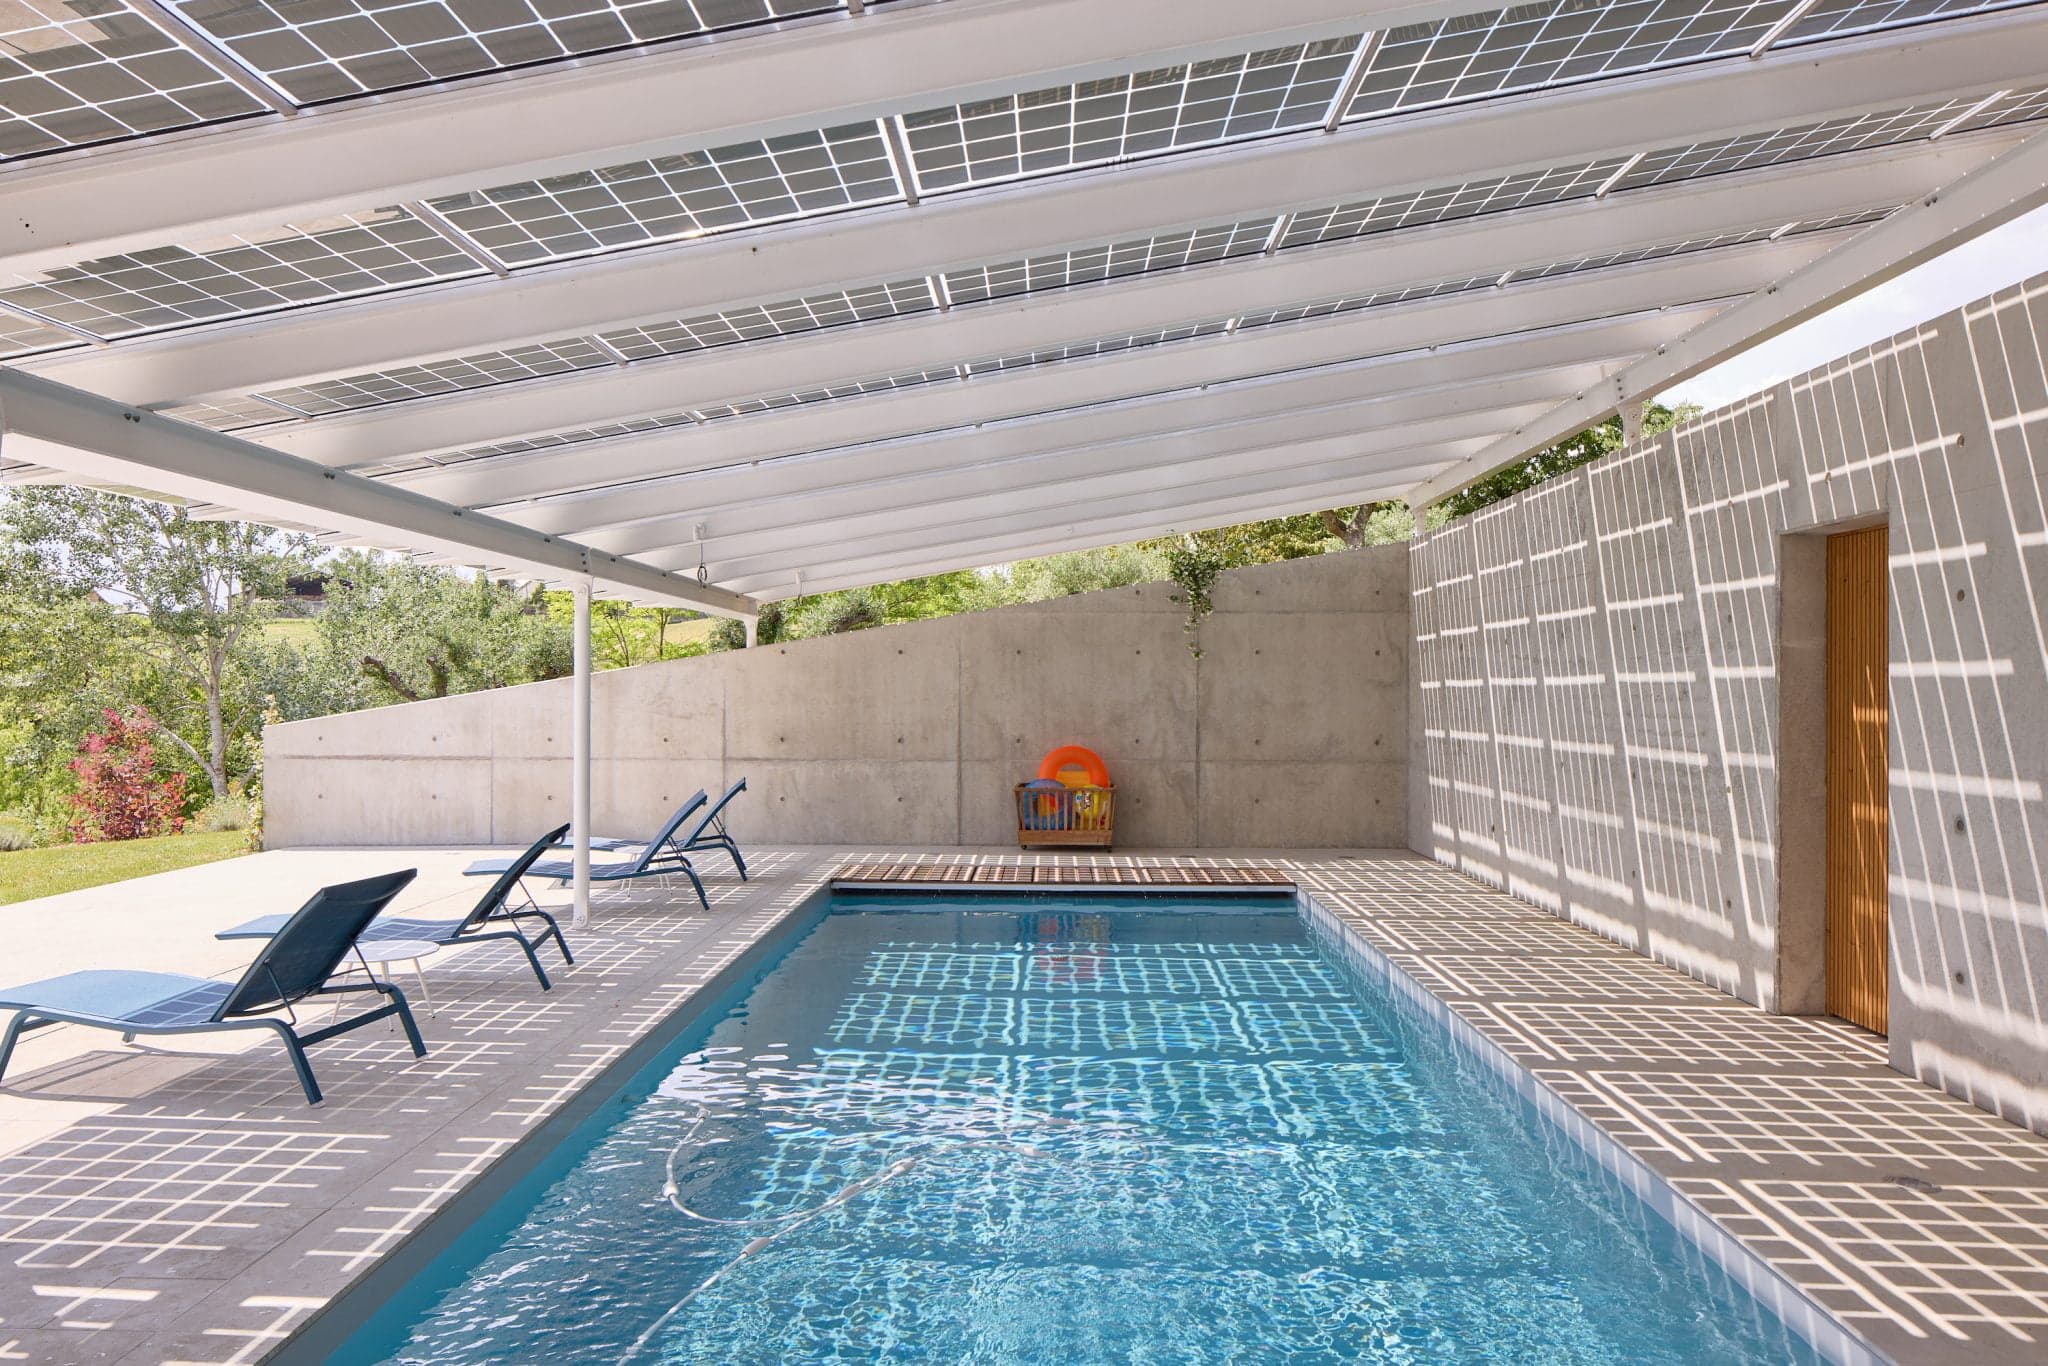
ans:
x=385 y=952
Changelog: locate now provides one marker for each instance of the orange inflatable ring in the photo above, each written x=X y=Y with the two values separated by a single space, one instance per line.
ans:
x=1061 y=762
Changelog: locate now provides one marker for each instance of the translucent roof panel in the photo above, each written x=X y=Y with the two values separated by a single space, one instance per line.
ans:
x=314 y=50
x=824 y=393
x=1056 y=270
x=1558 y=42
x=1218 y=100
x=145 y=291
x=21 y=336
x=88 y=71
x=443 y=376
x=551 y=440
x=1351 y=303
x=773 y=320
x=1098 y=347
x=1838 y=18
x=1748 y=151
x=1523 y=189
x=1470 y=56
x=231 y=414
x=685 y=195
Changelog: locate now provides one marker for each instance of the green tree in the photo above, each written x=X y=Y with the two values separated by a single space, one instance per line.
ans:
x=1552 y=461
x=396 y=630
x=202 y=591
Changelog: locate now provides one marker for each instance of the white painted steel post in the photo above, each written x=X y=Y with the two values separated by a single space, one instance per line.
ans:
x=753 y=631
x=579 y=755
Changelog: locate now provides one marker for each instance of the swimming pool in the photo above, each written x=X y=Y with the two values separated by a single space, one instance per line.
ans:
x=985 y=1129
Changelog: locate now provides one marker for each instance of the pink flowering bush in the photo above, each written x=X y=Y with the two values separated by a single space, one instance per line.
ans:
x=120 y=794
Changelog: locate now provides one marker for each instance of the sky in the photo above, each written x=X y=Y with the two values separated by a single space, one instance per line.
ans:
x=1999 y=258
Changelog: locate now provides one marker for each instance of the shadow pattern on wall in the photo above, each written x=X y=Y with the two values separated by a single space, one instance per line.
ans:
x=1598 y=695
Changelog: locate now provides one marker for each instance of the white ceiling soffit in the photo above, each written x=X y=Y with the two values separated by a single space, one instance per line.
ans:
x=1614 y=117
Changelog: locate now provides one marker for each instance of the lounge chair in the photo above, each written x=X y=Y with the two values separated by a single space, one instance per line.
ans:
x=493 y=917
x=293 y=966
x=668 y=852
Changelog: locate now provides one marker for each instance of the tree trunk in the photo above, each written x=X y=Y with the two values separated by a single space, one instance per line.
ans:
x=216 y=728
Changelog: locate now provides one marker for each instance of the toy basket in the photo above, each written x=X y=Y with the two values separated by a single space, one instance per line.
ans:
x=1069 y=817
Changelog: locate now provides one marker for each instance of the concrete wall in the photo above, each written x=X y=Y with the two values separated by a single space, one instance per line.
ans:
x=1289 y=732
x=1618 y=690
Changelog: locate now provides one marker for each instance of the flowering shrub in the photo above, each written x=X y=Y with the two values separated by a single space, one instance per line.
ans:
x=120 y=794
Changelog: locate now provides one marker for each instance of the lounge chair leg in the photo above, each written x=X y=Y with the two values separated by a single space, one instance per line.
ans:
x=412 y=1031
x=297 y=1051
x=14 y=1032
x=555 y=929
x=691 y=873
x=533 y=958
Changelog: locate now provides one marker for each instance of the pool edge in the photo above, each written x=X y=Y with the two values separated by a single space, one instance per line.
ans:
x=1801 y=1314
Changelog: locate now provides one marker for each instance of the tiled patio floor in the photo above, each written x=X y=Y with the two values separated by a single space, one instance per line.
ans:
x=179 y=1206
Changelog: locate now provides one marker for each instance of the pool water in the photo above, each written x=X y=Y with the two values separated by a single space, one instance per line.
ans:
x=1076 y=1130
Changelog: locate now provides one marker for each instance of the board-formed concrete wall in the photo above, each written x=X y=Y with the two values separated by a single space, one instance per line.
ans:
x=1290 y=731
x=1618 y=689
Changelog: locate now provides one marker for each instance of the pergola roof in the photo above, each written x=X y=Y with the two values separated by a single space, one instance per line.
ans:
x=817 y=295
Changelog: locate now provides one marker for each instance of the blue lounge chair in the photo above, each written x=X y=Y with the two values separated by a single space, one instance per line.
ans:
x=668 y=852
x=293 y=966
x=493 y=917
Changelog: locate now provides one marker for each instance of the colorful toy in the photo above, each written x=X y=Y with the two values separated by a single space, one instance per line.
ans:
x=1070 y=802
x=1076 y=766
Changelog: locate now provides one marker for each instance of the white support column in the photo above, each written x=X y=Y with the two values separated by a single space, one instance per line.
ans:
x=579 y=754
x=753 y=631
x=1631 y=423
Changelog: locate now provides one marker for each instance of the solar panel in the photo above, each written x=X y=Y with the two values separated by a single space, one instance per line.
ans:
x=230 y=414
x=685 y=195
x=443 y=376
x=1219 y=100
x=1523 y=189
x=1839 y=18
x=333 y=49
x=575 y=436
x=337 y=258
x=1056 y=270
x=773 y=320
x=1560 y=42
x=89 y=71
x=1750 y=151
x=1351 y=303
x=25 y=337
x=1099 y=346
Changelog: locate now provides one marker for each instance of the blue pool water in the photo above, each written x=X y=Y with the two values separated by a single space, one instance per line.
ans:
x=1069 y=1131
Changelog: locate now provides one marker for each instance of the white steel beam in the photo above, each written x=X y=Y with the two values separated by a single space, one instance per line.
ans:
x=604 y=111
x=1448 y=147
x=2013 y=184
x=1084 y=533
x=1032 y=492
x=655 y=513
x=103 y=442
x=1166 y=374
x=1008 y=327
x=1148 y=437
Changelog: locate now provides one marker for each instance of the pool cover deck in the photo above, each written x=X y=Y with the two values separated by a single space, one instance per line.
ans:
x=165 y=1203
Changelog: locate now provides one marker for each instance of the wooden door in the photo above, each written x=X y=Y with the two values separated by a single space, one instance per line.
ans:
x=1858 y=778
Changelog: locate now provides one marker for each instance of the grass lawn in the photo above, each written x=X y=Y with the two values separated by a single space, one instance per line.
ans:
x=27 y=873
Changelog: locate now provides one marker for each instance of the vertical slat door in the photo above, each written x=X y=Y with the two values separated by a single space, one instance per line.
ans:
x=1858 y=778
